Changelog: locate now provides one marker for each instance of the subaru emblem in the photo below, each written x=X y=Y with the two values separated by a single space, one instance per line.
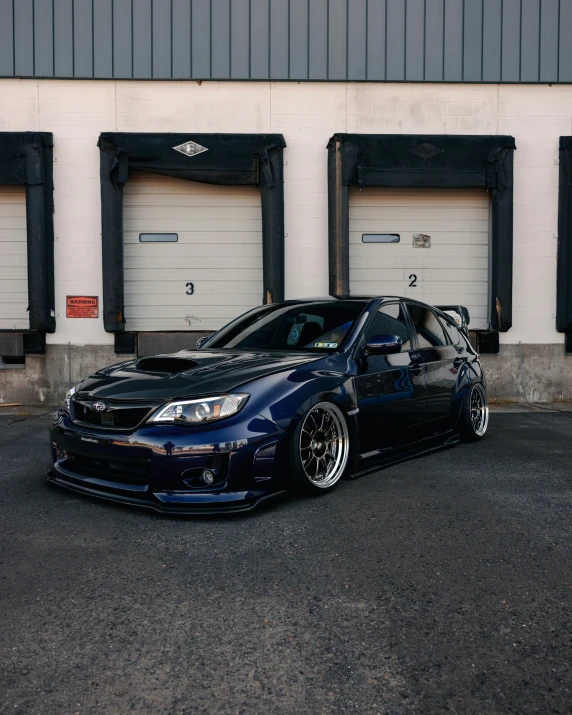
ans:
x=99 y=406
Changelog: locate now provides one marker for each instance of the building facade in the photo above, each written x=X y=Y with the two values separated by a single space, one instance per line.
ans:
x=204 y=156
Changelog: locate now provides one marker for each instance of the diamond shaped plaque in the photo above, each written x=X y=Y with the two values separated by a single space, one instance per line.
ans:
x=426 y=150
x=190 y=148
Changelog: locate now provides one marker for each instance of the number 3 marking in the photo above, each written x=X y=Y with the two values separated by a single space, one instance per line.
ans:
x=413 y=279
x=190 y=288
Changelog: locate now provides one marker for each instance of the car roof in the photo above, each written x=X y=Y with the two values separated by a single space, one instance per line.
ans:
x=365 y=299
x=352 y=298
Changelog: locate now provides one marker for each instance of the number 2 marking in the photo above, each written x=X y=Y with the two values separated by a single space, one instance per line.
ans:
x=190 y=288
x=413 y=279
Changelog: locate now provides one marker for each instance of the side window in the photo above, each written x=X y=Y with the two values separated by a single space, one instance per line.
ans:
x=390 y=320
x=452 y=331
x=430 y=334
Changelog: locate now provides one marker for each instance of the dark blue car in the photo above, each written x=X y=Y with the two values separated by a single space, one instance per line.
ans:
x=294 y=395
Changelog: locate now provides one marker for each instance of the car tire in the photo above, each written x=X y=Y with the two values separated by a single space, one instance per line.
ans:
x=474 y=418
x=318 y=450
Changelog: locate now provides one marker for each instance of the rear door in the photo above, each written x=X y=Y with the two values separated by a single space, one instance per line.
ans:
x=442 y=362
x=391 y=388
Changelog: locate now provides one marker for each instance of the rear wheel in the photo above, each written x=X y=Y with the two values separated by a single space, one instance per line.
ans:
x=474 y=418
x=319 y=449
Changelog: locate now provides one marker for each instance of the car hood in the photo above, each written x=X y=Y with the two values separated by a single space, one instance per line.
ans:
x=188 y=373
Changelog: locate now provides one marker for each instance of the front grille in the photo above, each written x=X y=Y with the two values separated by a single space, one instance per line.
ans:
x=115 y=417
x=124 y=471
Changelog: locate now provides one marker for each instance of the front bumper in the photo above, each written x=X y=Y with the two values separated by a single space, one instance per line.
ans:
x=159 y=466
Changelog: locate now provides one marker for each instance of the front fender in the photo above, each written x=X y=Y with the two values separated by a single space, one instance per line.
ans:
x=285 y=398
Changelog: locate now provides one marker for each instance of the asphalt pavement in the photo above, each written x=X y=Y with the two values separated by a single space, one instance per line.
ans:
x=440 y=585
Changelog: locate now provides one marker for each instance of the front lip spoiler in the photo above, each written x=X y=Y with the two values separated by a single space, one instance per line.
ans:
x=54 y=477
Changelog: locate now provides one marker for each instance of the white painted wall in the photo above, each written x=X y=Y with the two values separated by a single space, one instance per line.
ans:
x=307 y=114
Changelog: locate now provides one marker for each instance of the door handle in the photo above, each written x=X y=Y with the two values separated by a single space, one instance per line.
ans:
x=457 y=362
x=416 y=369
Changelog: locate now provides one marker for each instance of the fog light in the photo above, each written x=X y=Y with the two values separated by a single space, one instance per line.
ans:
x=208 y=477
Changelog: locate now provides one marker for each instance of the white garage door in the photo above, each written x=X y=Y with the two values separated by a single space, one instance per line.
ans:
x=452 y=269
x=192 y=252
x=13 y=259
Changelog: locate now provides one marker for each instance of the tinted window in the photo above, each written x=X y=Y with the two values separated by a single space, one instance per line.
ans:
x=390 y=320
x=302 y=326
x=427 y=326
x=452 y=331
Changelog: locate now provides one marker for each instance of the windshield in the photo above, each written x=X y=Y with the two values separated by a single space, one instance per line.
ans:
x=320 y=326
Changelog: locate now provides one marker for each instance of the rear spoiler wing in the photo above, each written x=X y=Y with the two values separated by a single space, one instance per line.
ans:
x=458 y=313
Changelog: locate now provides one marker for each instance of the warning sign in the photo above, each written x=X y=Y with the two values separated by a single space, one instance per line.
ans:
x=82 y=306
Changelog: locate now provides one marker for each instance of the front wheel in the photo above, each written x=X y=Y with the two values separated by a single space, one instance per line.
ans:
x=474 y=417
x=319 y=449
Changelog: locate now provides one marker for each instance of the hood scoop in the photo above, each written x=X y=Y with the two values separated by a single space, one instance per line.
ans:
x=166 y=365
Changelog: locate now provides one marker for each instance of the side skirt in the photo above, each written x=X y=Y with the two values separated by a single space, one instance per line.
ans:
x=387 y=458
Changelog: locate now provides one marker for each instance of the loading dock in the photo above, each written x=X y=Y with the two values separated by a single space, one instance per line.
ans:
x=435 y=190
x=195 y=238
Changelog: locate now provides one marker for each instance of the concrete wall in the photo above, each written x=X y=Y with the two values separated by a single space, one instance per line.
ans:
x=46 y=378
x=307 y=114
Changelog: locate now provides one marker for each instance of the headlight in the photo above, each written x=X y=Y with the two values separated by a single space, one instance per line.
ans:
x=205 y=410
x=67 y=398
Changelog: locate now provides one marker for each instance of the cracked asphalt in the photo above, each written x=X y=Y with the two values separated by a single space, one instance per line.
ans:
x=443 y=584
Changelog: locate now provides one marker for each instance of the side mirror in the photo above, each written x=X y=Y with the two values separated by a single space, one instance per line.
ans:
x=383 y=345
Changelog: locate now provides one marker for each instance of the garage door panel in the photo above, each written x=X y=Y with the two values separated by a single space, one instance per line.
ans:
x=434 y=260
x=207 y=310
x=440 y=275
x=195 y=250
x=221 y=262
x=228 y=275
x=176 y=214
x=454 y=269
x=157 y=320
x=430 y=213
x=407 y=197
x=199 y=225
x=209 y=296
x=212 y=273
x=474 y=288
x=14 y=286
x=13 y=259
x=9 y=225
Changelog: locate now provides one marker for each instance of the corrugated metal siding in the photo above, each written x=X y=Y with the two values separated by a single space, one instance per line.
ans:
x=375 y=40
